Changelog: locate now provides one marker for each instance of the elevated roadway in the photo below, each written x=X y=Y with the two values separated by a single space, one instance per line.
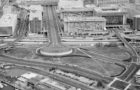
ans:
x=132 y=50
x=134 y=67
x=55 y=48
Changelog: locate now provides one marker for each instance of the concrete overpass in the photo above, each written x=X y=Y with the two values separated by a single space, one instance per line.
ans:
x=55 y=48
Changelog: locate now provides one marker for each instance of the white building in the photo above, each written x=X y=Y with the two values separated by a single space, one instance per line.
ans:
x=63 y=4
x=84 y=25
x=35 y=12
x=106 y=2
x=8 y=24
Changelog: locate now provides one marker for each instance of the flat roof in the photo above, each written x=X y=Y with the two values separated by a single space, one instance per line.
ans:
x=78 y=19
x=76 y=9
x=71 y=3
x=29 y=75
x=110 y=9
x=138 y=72
x=137 y=16
x=8 y=20
x=36 y=7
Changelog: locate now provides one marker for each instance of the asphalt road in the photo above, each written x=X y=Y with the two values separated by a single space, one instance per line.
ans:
x=52 y=30
x=80 y=71
x=133 y=68
x=57 y=77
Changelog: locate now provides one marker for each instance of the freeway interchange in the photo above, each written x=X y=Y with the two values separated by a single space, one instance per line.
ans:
x=55 y=42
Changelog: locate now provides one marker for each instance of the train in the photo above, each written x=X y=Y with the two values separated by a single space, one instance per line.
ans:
x=82 y=79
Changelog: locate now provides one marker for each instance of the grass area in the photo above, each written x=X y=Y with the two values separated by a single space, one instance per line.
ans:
x=20 y=52
x=92 y=65
x=87 y=63
x=15 y=72
x=28 y=52
x=113 y=52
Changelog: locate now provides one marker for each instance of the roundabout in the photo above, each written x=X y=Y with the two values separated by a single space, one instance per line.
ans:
x=54 y=51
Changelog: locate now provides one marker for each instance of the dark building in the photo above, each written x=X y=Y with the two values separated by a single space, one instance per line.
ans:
x=136 y=22
x=35 y=25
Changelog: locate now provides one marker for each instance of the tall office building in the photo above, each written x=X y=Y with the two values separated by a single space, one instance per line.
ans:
x=105 y=2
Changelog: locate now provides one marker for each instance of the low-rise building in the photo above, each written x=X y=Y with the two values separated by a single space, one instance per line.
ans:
x=8 y=23
x=33 y=80
x=84 y=25
x=137 y=77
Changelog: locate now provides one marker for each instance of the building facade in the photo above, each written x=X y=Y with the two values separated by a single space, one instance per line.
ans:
x=105 y=2
x=84 y=26
x=136 y=22
x=80 y=12
x=35 y=17
x=114 y=15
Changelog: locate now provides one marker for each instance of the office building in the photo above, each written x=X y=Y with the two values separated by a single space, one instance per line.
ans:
x=74 y=26
x=115 y=16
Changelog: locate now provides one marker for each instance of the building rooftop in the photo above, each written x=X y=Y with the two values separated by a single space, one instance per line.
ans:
x=36 y=7
x=29 y=75
x=77 y=9
x=138 y=72
x=137 y=16
x=110 y=9
x=78 y=19
x=8 y=20
x=70 y=4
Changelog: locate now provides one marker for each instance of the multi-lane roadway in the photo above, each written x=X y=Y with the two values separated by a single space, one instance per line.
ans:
x=134 y=67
